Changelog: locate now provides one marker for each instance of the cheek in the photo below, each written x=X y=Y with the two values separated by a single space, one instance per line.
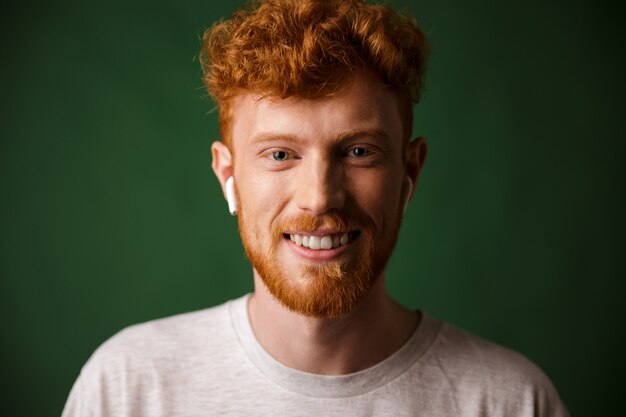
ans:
x=378 y=195
x=260 y=199
x=250 y=186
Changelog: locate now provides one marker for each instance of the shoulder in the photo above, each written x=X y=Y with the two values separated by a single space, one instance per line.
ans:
x=147 y=357
x=462 y=350
x=491 y=378
x=132 y=370
x=162 y=337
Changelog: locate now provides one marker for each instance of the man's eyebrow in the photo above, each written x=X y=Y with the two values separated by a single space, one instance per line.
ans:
x=274 y=136
x=356 y=133
x=343 y=136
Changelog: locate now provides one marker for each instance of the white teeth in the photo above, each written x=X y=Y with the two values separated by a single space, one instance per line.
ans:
x=314 y=242
x=320 y=242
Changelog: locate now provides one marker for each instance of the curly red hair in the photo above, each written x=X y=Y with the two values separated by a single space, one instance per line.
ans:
x=311 y=49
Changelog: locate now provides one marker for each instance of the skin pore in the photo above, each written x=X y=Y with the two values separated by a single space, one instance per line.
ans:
x=314 y=159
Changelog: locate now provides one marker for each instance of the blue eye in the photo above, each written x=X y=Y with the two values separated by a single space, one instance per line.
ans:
x=359 y=152
x=280 y=155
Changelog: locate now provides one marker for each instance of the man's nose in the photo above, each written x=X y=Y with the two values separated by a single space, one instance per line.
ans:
x=320 y=186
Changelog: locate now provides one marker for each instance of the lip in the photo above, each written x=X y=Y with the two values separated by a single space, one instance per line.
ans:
x=318 y=232
x=319 y=255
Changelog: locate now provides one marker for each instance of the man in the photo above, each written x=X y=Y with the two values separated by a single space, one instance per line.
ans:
x=315 y=101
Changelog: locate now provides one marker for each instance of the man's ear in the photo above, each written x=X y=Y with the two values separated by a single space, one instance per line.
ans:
x=415 y=157
x=222 y=163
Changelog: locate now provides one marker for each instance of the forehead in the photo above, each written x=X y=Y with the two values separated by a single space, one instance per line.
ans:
x=364 y=105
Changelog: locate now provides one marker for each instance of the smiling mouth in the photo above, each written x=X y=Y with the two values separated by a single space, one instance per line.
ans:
x=323 y=242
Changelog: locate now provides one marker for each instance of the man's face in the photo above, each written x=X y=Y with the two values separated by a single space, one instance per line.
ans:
x=321 y=186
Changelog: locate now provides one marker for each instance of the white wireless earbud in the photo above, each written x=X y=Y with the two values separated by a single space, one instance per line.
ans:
x=409 y=193
x=230 y=196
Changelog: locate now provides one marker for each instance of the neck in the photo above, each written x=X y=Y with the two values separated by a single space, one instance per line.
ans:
x=331 y=346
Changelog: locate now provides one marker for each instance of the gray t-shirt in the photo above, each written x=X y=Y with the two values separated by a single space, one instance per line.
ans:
x=209 y=363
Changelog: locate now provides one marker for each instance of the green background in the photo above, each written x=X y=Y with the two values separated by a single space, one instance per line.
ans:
x=111 y=215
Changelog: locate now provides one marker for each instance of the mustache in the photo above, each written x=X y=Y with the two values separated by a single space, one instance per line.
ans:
x=333 y=220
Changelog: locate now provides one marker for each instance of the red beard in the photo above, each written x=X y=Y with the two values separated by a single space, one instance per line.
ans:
x=330 y=289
